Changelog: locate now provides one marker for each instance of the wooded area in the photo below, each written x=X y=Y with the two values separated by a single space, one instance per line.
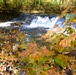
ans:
x=29 y=5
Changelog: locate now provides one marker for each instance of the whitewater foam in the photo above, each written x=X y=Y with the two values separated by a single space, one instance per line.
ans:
x=6 y=24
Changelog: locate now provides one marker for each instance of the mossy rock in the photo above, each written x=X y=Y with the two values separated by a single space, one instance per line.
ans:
x=70 y=16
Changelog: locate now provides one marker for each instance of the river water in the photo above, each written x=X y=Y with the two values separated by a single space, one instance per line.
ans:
x=37 y=24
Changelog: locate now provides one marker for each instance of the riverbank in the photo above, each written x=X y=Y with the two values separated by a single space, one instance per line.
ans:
x=8 y=16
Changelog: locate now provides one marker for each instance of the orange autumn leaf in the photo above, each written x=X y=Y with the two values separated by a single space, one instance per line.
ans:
x=53 y=72
x=36 y=55
x=48 y=34
x=73 y=37
x=49 y=72
x=43 y=37
x=65 y=43
x=24 y=53
x=45 y=51
x=33 y=47
x=74 y=11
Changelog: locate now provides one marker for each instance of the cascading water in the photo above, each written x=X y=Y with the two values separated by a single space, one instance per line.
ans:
x=5 y=24
x=42 y=22
x=36 y=25
x=38 y=21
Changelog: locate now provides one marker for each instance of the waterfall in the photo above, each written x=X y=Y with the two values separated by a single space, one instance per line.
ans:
x=44 y=22
x=6 y=24
x=32 y=22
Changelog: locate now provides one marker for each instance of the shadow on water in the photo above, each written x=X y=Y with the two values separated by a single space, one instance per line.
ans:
x=8 y=16
x=33 y=34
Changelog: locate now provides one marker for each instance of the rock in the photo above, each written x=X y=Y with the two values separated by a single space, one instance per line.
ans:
x=70 y=16
x=68 y=72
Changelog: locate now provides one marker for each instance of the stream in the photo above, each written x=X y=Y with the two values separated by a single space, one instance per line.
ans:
x=37 y=24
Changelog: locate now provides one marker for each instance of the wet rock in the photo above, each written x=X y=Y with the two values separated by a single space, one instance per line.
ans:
x=68 y=72
x=73 y=53
x=16 y=24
